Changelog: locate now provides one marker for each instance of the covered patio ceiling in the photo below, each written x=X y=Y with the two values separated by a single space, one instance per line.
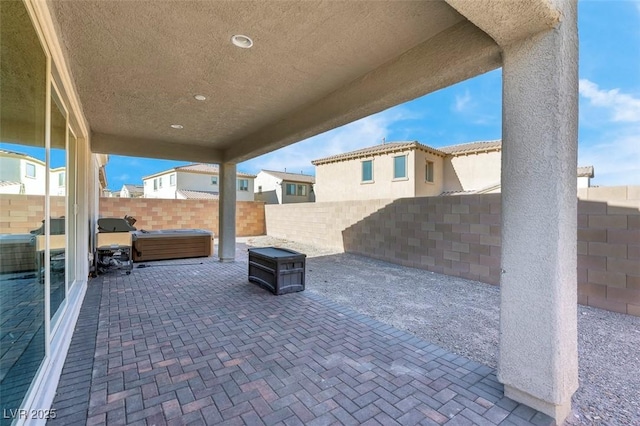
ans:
x=314 y=66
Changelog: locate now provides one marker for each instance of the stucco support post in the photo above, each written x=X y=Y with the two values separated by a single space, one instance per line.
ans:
x=227 y=213
x=538 y=361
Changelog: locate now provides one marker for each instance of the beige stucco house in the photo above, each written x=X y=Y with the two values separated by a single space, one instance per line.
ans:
x=217 y=85
x=275 y=187
x=194 y=181
x=131 y=191
x=411 y=169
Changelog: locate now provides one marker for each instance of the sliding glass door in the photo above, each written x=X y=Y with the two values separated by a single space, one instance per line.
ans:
x=23 y=177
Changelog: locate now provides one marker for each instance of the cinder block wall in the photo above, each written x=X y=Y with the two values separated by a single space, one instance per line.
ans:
x=154 y=214
x=20 y=214
x=318 y=223
x=460 y=236
x=450 y=235
x=609 y=248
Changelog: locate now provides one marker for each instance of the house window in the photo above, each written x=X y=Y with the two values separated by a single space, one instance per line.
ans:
x=61 y=177
x=291 y=189
x=30 y=170
x=400 y=167
x=428 y=171
x=243 y=184
x=155 y=184
x=260 y=189
x=172 y=180
x=159 y=182
x=367 y=171
x=214 y=180
x=302 y=190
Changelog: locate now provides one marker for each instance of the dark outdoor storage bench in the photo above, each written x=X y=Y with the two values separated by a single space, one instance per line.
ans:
x=276 y=269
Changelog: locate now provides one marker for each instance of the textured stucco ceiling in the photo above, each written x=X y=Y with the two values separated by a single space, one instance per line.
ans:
x=315 y=65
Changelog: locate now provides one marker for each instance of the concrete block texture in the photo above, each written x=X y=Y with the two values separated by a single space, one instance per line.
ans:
x=382 y=229
x=154 y=214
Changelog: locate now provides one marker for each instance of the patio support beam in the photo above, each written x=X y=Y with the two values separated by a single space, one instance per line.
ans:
x=457 y=53
x=538 y=361
x=151 y=148
x=227 y=213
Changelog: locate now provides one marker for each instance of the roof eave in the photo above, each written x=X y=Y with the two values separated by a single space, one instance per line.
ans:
x=391 y=150
x=474 y=151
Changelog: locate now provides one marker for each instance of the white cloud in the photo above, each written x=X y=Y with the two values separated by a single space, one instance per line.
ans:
x=362 y=133
x=623 y=107
x=463 y=102
x=616 y=159
x=123 y=177
x=610 y=141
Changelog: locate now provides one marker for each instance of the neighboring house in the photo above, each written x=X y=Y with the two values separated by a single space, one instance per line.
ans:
x=131 y=191
x=22 y=174
x=185 y=194
x=411 y=169
x=282 y=188
x=107 y=193
x=199 y=181
x=119 y=96
x=58 y=181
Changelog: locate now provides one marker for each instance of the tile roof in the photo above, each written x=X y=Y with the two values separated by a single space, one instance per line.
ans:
x=585 y=171
x=486 y=190
x=210 y=169
x=213 y=169
x=198 y=195
x=199 y=167
x=472 y=147
x=8 y=153
x=134 y=189
x=384 y=148
x=446 y=193
x=291 y=177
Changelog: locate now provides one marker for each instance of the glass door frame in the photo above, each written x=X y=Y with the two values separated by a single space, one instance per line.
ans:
x=62 y=308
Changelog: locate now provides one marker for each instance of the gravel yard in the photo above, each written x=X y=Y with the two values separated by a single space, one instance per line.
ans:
x=463 y=316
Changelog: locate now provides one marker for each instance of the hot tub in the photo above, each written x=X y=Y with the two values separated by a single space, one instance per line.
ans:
x=171 y=244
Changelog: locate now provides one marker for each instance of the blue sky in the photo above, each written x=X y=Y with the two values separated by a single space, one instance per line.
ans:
x=609 y=127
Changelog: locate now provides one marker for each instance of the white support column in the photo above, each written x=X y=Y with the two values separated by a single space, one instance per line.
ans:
x=227 y=213
x=538 y=361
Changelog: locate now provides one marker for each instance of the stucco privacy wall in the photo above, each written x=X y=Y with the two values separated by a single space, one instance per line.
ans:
x=151 y=214
x=461 y=236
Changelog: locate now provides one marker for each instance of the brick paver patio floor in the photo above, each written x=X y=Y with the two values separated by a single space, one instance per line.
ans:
x=193 y=342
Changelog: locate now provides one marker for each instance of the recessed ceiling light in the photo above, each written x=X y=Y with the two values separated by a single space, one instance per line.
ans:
x=242 y=41
x=200 y=97
x=177 y=126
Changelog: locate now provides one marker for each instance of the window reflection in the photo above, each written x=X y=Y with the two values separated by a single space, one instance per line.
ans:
x=57 y=240
x=22 y=203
